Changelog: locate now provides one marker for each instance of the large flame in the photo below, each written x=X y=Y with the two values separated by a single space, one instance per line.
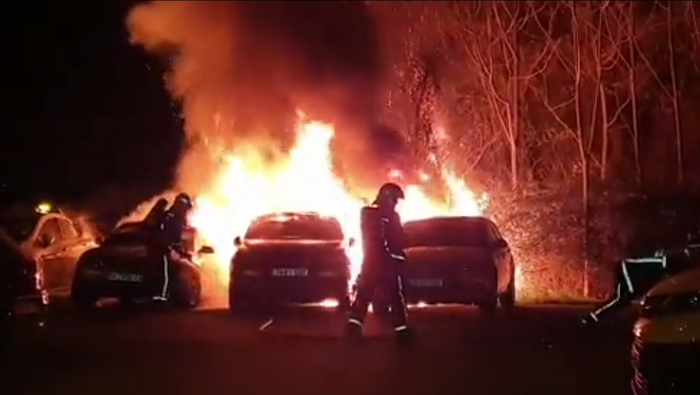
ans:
x=247 y=188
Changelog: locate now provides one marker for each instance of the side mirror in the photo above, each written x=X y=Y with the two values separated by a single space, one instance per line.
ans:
x=237 y=242
x=352 y=242
x=206 y=250
x=45 y=241
x=500 y=244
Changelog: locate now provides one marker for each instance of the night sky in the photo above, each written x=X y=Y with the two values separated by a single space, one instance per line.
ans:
x=85 y=111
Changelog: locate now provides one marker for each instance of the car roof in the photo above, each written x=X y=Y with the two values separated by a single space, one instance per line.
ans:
x=442 y=219
x=686 y=281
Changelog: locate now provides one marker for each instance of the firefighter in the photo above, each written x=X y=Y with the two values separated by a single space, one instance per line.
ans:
x=173 y=227
x=156 y=216
x=382 y=242
x=636 y=276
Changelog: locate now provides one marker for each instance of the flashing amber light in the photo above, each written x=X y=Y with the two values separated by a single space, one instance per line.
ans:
x=44 y=208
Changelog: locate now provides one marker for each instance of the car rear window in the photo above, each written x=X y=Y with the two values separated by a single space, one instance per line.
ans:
x=448 y=232
x=291 y=227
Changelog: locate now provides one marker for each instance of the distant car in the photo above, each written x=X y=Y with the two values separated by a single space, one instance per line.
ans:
x=128 y=265
x=51 y=239
x=290 y=258
x=666 y=346
x=22 y=291
x=462 y=260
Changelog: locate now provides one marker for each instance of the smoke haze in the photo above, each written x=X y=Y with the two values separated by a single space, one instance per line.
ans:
x=242 y=70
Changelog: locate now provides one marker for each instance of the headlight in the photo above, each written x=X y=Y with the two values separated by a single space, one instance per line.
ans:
x=679 y=303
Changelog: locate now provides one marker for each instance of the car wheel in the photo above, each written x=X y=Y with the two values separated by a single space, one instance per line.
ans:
x=190 y=291
x=488 y=306
x=83 y=299
x=507 y=298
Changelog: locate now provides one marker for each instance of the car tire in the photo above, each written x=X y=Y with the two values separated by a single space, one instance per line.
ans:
x=83 y=299
x=189 y=293
x=488 y=307
x=507 y=298
x=238 y=304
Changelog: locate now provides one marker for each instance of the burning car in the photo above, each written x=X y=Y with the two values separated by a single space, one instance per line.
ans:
x=50 y=238
x=458 y=260
x=290 y=257
x=129 y=265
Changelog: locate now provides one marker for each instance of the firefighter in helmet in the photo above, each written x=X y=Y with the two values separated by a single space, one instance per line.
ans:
x=156 y=216
x=382 y=242
x=173 y=227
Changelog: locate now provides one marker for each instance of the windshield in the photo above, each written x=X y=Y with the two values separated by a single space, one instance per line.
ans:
x=127 y=238
x=19 y=225
x=447 y=232
x=296 y=228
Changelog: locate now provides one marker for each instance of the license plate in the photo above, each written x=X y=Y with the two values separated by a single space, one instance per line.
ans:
x=426 y=282
x=290 y=272
x=131 y=278
x=24 y=308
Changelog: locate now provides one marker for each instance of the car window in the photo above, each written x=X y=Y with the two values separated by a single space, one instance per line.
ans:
x=448 y=232
x=68 y=231
x=127 y=237
x=51 y=229
x=295 y=228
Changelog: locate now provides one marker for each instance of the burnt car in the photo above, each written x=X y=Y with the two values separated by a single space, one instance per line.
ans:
x=290 y=258
x=462 y=260
x=22 y=291
x=129 y=265
x=51 y=239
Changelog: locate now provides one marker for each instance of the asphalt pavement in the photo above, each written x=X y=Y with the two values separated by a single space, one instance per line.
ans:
x=535 y=350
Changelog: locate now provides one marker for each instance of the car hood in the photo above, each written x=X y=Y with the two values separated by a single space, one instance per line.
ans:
x=687 y=281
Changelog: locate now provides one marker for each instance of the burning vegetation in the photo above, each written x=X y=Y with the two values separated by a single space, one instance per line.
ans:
x=548 y=106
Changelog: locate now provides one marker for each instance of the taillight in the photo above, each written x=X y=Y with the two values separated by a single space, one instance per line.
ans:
x=37 y=273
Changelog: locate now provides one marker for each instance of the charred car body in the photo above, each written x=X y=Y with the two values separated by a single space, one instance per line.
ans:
x=49 y=238
x=22 y=291
x=462 y=260
x=288 y=258
x=129 y=265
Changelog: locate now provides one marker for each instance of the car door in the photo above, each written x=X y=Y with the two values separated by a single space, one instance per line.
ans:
x=73 y=248
x=49 y=254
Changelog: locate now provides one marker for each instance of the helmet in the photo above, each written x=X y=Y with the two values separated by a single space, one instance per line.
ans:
x=391 y=192
x=184 y=199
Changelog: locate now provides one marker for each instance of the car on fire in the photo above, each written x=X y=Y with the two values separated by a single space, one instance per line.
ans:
x=22 y=291
x=464 y=260
x=128 y=265
x=51 y=239
x=290 y=258
x=666 y=346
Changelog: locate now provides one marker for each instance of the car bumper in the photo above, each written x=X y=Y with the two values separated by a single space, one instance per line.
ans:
x=462 y=292
x=288 y=290
x=100 y=287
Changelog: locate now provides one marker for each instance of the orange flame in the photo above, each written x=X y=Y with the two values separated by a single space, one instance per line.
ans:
x=246 y=189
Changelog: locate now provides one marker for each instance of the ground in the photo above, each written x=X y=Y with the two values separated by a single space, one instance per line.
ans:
x=149 y=351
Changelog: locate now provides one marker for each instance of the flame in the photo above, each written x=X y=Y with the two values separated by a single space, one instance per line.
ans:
x=247 y=189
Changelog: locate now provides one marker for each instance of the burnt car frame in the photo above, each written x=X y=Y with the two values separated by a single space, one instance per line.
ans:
x=290 y=258
x=462 y=260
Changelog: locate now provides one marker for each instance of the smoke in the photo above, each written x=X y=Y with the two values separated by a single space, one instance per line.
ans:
x=242 y=70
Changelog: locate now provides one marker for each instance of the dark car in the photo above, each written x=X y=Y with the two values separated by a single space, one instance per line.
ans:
x=129 y=265
x=462 y=260
x=22 y=292
x=290 y=258
x=51 y=239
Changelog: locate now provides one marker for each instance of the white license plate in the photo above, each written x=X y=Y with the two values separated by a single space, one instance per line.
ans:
x=290 y=272
x=426 y=282
x=131 y=278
